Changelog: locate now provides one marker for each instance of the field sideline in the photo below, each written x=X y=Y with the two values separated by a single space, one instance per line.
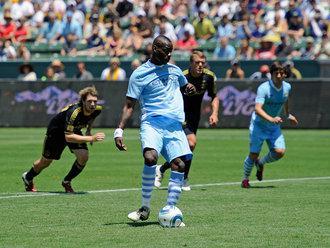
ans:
x=289 y=209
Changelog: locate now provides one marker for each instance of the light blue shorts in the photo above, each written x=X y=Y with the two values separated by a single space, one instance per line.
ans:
x=164 y=135
x=259 y=133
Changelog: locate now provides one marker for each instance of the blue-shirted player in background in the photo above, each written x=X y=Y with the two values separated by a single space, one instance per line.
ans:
x=156 y=85
x=272 y=95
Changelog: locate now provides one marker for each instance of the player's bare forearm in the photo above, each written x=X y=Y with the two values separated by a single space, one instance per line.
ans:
x=76 y=138
x=214 y=118
x=127 y=112
x=259 y=111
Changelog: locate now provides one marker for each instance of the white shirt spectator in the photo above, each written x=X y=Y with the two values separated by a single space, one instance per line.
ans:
x=16 y=11
x=59 y=6
x=180 y=29
x=27 y=8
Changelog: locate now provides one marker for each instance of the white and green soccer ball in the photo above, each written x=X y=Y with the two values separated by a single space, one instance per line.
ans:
x=170 y=216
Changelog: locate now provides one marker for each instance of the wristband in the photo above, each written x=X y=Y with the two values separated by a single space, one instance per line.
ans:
x=290 y=116
x=118 y=133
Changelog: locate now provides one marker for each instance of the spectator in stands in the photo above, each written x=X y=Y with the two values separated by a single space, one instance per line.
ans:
x=49 y=74
x=133 y=40
x=235 y=71
x=295 y=26
x=308 y=52
x=244 y=51
x=266 y=50
x=115 y=44
x=263 y=73
x=292 y=72
x=147 y=53
x=7 y=29
x=165 y=28
x=280 y=25
x=284 y=49
x=184 y=26
x=82 y=73
x=242 y=28
x=23 y=52
x=69 y=45
x=144 y=26
x=51 y=30
x=58 y=68
x=21 y=31
x=113 y=72
x=225 y=28
x=135 y=64
x=203 y=26
x=70 y=26
x=322 y=49
x=95 y=41
x=27 y=73
x=317 y=25
x=188 y=43
x=9 y=50
x=224 y=50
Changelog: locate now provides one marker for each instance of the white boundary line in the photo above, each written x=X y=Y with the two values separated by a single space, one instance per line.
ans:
x=39 y=194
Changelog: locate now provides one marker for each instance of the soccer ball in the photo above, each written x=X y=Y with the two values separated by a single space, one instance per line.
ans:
x=170 y=216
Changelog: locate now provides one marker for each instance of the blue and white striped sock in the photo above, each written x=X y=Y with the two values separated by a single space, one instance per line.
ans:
x=268 y=158
x=148 y=179
x=248 y=165
x=174 y=187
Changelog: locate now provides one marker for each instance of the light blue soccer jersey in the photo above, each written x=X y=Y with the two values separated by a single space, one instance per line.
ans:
x=273 y=100
x=158 y=90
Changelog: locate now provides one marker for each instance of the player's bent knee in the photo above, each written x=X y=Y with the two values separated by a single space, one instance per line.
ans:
x=45 y=162
x=279 y=153
x=177 y=165
x=150 y=157
x=254 y=156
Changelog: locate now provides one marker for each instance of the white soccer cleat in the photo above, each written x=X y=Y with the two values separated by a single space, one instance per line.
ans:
x=140 y=214
x=186 y=185
x=182 y=224
x=159 y=177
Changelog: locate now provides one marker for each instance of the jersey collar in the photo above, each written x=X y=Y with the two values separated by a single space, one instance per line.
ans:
x=275 y=88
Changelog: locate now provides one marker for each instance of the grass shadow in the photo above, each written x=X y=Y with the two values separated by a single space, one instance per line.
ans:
x=142 y=224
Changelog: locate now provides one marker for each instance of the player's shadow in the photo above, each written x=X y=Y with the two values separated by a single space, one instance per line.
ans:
x=63 y=193
x=262 y=187
x=133 y=224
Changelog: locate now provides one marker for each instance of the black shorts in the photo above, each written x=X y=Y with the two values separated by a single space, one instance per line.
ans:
x=55 y=143
x=191 y=126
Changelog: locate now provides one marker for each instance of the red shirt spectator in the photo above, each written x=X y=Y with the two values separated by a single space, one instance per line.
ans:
x=187 y=43
x=8 y=28
x=266 y=50
x=21 y=31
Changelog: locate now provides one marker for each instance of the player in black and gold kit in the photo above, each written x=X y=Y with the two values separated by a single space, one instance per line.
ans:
x=65 y=130
x=203 y=80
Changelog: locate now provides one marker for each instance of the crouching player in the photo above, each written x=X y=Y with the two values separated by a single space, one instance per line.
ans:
x=272 y=95
x=65 y=130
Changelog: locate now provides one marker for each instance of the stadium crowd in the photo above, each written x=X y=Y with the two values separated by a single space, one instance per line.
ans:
x=223 y=29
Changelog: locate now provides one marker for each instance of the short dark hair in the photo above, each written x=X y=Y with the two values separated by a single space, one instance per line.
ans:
x=276 y=66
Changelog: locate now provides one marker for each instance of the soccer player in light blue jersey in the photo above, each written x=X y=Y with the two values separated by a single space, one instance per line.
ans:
x=156 y=85
x=272 y=96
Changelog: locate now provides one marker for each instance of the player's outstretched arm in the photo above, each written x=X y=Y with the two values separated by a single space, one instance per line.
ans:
x=76 y=138
x=126 y=115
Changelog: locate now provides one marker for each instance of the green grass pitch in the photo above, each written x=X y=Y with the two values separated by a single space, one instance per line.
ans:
x=294 y=212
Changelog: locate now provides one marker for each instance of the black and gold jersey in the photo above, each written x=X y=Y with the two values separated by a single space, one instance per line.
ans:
x=72 y=119
x=206 y=82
